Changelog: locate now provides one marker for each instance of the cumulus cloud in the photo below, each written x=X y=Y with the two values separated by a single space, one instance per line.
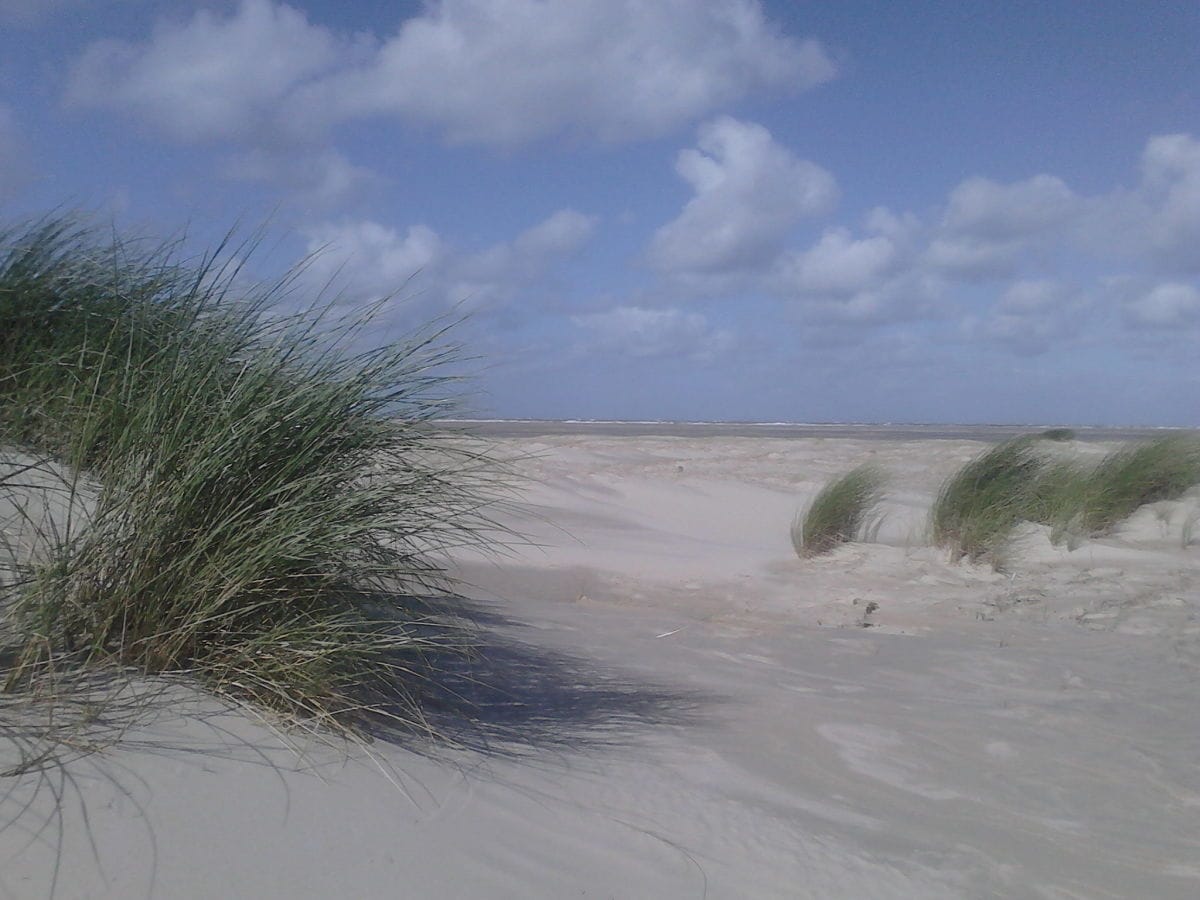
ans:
x=840 y=265
x=211 y=77
x=641 y=333
x=510 y=71
x=749 y=192
x=1003 y=246
x=984 y=209
x=971 y=259
x=363 y=261
x=986 y=225
x=367 y=260
x=1031 y=316
x=318 y=178
x=1170 y=305
x=1171 y=181
x=486 y=71
x=497 y=273
x=989 y=230
x=858 y=280
x=264 y=79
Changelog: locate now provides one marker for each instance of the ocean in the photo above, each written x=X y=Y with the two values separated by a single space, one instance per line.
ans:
x=506 y=428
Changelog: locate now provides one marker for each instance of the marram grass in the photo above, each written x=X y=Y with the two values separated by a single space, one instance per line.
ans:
x=839 y=512
x=1144 y=473
x=270 y=499
x=979 y=507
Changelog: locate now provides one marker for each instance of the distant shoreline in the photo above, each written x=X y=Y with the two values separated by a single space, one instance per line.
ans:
x=505 y=428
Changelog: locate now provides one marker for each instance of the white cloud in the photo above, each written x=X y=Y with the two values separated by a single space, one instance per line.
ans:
x=749 y=192
x=511 y=71
x=988 y=230
x=487 y=71
x=1024 y=298
x=1031 y=316
x=984 y=209
x=1169 y=305
x=265 y=79
x=210 y=77
x=641 y=333
x=562 y=233
x=1171 y=182
x=318 y=178
x=986 y=226
x=366 y=260
x=1170 y=158
x=839 y=265
x=1011 y=247
x=901 y=229
x=970 y=259
x=859 y=281
x=498 y=273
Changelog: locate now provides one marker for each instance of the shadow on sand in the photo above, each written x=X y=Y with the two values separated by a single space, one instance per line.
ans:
x=508 y=696
x=502 y=698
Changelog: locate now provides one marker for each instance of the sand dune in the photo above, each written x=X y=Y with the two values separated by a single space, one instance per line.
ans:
x=668 y=703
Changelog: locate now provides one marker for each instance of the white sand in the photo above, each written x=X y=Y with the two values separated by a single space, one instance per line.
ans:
x=677 y=706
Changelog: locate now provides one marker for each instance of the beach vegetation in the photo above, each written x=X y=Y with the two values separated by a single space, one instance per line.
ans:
x=978 y=508
x=1058 y=434
x=1131 y=477
x=271 y=501
x=840 y=512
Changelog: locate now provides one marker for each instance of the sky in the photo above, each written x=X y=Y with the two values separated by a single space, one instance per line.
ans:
x=743 y=210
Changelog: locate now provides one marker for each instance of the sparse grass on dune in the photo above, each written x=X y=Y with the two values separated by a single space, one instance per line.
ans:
x=1144 y=473
x=268 y=496
x=839 y=512
x=978 y=507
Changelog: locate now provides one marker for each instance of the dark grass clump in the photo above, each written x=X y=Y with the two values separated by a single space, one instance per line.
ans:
x=268 y=497
x=978 y=507
x=1058 y=434
x=839 y=513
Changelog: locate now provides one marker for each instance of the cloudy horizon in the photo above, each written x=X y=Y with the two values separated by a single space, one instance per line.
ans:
x=671 y=209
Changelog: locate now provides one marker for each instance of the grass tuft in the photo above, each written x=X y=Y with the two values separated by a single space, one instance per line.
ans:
x=978 y=507
x=1058 y=434
x=839 y=512
x=1126 y=479
x=270 y=499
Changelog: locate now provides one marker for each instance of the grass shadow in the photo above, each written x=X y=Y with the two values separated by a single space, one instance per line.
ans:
x=508 y=696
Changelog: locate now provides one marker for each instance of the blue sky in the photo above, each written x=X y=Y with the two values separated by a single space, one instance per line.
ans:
x=671 y=209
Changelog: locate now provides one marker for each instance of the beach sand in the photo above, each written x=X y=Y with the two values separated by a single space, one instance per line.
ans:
x=668 y=703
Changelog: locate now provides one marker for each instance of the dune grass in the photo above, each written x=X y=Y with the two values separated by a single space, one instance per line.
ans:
x=1131 y=477
x=839 y=512
x=1058 y=434
x=979 y=507
x=270 y=499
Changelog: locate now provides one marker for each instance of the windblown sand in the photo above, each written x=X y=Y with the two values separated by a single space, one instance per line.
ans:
x=669 y=704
